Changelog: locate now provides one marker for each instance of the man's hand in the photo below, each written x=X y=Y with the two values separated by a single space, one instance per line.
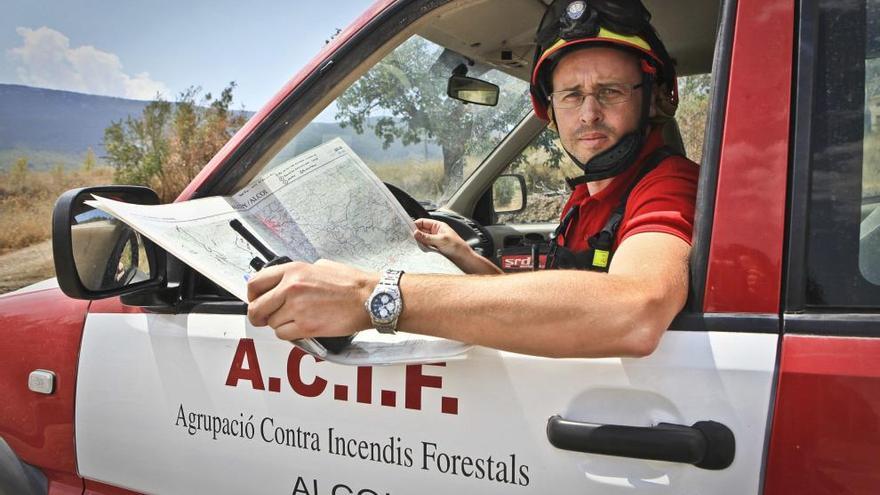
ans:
x=302 y=300
x=441 y=237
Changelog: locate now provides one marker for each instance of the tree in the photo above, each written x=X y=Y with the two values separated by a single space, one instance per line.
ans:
x=170 y=142
x=137 y=147
x=58 y=175
x=872 y=78
x=18 y=173
x=404 y=98
x=90 y=161
x=693 y=110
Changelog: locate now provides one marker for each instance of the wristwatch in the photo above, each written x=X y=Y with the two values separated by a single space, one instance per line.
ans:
x=386 y=303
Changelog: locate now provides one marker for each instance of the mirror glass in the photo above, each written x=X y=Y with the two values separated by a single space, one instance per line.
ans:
x=508 y=194
x=472 y=90
x=108 y=254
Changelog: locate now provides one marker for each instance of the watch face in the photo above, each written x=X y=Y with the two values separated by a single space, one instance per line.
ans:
x=383 y=306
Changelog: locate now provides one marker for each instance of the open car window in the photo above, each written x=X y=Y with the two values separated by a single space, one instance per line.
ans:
x=544 y=165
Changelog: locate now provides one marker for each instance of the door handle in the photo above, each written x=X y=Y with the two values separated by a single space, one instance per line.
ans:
x=705 y=444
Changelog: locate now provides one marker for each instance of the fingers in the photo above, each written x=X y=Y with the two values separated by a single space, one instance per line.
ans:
x=266 y=279
x=428 y=225
x=321 y=298
x=436 y=234
x=280 y=317
x=266 y=293
x=432 y=232
x=424 y=222
x=426 y=238
x=263 y=309
x=288 y=331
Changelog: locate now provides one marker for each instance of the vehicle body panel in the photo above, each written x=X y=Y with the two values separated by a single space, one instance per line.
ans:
x=41 y=330
x=139 y=405
x=745 y=259
x=826 y=426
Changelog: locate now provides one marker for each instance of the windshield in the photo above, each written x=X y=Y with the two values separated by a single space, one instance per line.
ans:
x=399 y=120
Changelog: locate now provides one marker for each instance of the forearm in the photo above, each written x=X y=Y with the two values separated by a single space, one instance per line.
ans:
x=557 y=313
x=550 y=313
x=472 y=263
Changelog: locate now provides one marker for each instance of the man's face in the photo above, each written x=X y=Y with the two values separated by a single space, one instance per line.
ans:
x=592 y=128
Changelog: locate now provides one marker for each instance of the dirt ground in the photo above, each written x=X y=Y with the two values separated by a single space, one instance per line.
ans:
x=26 y=266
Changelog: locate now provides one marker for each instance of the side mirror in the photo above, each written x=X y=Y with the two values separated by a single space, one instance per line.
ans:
x=470 y=90
x=509 y=194
x=98 y=256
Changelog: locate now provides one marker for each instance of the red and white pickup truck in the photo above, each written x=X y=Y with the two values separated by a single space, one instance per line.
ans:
x=768 y=382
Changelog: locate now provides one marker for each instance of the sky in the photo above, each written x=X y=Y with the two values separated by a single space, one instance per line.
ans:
x=134 y=49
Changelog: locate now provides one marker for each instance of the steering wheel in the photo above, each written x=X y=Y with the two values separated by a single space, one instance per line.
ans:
x=412 y=207
x=477 y=237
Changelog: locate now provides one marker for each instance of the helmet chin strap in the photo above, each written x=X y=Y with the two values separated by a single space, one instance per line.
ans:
x=619 y=157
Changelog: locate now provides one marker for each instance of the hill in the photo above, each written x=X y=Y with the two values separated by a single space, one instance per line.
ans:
x=367 y=145
x=52 y=127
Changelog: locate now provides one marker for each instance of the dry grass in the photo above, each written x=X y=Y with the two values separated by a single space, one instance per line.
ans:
x=26 y=202
x=423 y=180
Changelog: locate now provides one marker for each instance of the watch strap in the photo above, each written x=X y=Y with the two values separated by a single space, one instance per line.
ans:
x=391 y=277
x=388 y=278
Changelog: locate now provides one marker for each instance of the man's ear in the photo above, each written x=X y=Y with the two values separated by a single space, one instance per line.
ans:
x=662 y=105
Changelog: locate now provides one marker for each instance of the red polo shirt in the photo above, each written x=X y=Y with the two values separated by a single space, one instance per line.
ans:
x=663 y=201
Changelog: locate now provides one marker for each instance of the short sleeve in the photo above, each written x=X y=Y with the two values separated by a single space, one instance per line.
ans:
x=664 y=201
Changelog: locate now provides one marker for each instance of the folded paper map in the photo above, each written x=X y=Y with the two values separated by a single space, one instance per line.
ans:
x=324 y=203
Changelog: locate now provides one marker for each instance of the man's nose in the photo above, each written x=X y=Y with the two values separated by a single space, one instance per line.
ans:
x=590 y=110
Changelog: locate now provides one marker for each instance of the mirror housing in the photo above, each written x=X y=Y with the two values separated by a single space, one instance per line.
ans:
x=509 y=194
x=97 y=256
x=471 y=90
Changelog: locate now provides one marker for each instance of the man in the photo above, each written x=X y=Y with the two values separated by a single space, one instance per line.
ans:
x=600 y=74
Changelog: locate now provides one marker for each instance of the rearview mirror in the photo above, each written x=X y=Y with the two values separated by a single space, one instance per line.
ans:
x=96 y=255
x=470 y=90
x=509 y=193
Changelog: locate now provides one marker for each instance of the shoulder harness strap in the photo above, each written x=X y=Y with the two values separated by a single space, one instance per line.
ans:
x=604 y=239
